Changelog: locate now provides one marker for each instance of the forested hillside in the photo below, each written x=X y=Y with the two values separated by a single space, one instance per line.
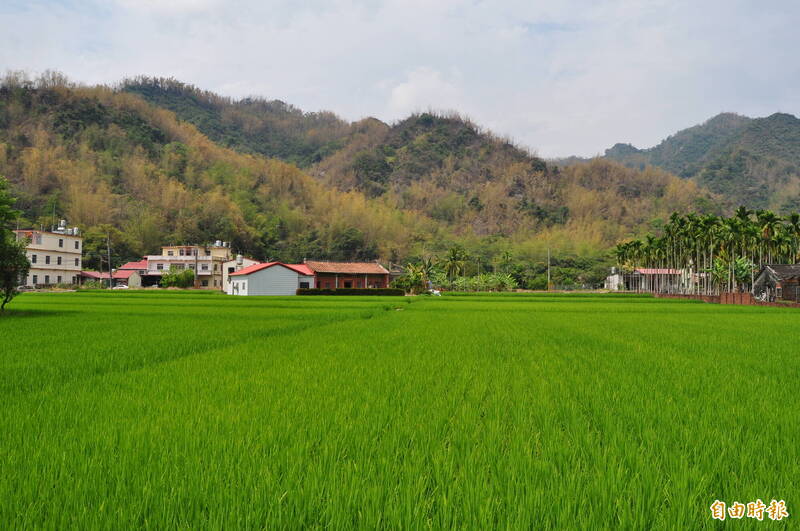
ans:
x=111 y=162
x=754 y=162
x=103 y=158
x=252 y=125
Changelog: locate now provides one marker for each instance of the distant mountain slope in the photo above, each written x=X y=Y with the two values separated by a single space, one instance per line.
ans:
x=441 y=166
x=251 y=125
x=751 y=161
x=451 y=170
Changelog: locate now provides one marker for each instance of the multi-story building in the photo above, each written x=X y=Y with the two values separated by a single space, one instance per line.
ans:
x=205 y=260
x=55 y=256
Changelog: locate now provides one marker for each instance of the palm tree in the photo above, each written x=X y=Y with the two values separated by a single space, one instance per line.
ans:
x=794 y=228
x=454 y=263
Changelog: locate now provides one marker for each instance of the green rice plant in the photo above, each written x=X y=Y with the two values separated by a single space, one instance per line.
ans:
x=195 y=410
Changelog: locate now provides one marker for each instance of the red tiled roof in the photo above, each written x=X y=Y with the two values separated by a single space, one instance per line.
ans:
x=140 y=265
x=123 y=274
x=347 y=268
x=297 y=268
x=657 y=271
x=94 y=274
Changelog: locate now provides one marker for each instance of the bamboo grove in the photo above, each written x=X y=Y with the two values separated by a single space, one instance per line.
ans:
x=713 y=254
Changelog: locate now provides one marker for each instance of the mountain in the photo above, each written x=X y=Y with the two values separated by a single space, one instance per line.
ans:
x=155 y=161
x=250 y=125
x=105 y=159
x=749 y=161
x=440 y=165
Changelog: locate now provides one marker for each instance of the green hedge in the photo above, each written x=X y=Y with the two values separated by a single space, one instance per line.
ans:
x=352 y=291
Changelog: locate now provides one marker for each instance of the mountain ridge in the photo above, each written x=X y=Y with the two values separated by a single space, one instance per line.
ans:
x=749 y=161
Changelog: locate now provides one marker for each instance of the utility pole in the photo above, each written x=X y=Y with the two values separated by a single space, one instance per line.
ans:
x=108 y=250
x=548 y=269
x=196 y=276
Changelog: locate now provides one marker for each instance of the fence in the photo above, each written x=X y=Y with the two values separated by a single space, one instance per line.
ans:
x=744 y=299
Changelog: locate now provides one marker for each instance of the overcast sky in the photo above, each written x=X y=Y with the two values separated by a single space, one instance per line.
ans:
x=561 y=77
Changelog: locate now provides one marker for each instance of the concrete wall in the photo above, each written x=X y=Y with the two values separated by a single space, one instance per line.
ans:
x=246 y=262
x=51 y=276
x=237 y=286
x=45 y=250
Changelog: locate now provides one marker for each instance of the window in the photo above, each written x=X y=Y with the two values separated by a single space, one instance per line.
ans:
x=304 y=285
x=231 y=270
x=35 y=279
x=348 y=284
x=58 y=279
x=77 y=244
x=205 y=283
x=47 y=279
x=74 y=279
x=58 y=260
x=170 y=253
x=47 y=259
x=61 y=242
x=77 y=262
x=191 y=266
x=160 y=267
x=215 y=282
x=33 y=258
x=208 y=253
x=216 y=267
x=178 y=266
x=204 y=267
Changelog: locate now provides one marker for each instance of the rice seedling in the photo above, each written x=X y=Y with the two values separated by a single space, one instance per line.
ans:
x=184 y=410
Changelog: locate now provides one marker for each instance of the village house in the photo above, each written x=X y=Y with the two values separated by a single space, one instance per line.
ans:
x=207 y=262
x=277 y=278
x=55 y=256
x=778 y=283
x=658 y=280
x=332 y=275
x=232 y=266
x=131 y=274
x=271 y=278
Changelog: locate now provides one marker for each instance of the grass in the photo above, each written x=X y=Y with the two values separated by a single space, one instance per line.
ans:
x=155 y=410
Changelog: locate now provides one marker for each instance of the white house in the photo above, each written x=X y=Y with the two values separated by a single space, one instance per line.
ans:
x=272 y=278
x=232 y=266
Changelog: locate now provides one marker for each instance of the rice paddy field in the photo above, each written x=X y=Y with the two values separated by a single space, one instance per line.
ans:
x=193 y=410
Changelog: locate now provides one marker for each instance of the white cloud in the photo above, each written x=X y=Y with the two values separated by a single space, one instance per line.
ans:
x=424 y=88
x=568 y=77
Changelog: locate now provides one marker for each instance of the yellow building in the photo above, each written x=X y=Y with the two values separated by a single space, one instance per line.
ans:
x=55 y=256
x=205 y=260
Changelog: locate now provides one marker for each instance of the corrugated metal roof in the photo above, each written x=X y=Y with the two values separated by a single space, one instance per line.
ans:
x=297 y=268
x=657 y=271
x=785 y=271
x=140 y=265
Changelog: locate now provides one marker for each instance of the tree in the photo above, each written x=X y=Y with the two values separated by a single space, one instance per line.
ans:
x=455 y=262
x=176 y=278
x=14 y=264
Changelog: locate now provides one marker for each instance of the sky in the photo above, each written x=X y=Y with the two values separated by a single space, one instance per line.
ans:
x=559 y=77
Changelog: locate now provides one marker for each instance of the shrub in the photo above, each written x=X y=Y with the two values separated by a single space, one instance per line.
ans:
x=175 y=278
x=351 y=291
